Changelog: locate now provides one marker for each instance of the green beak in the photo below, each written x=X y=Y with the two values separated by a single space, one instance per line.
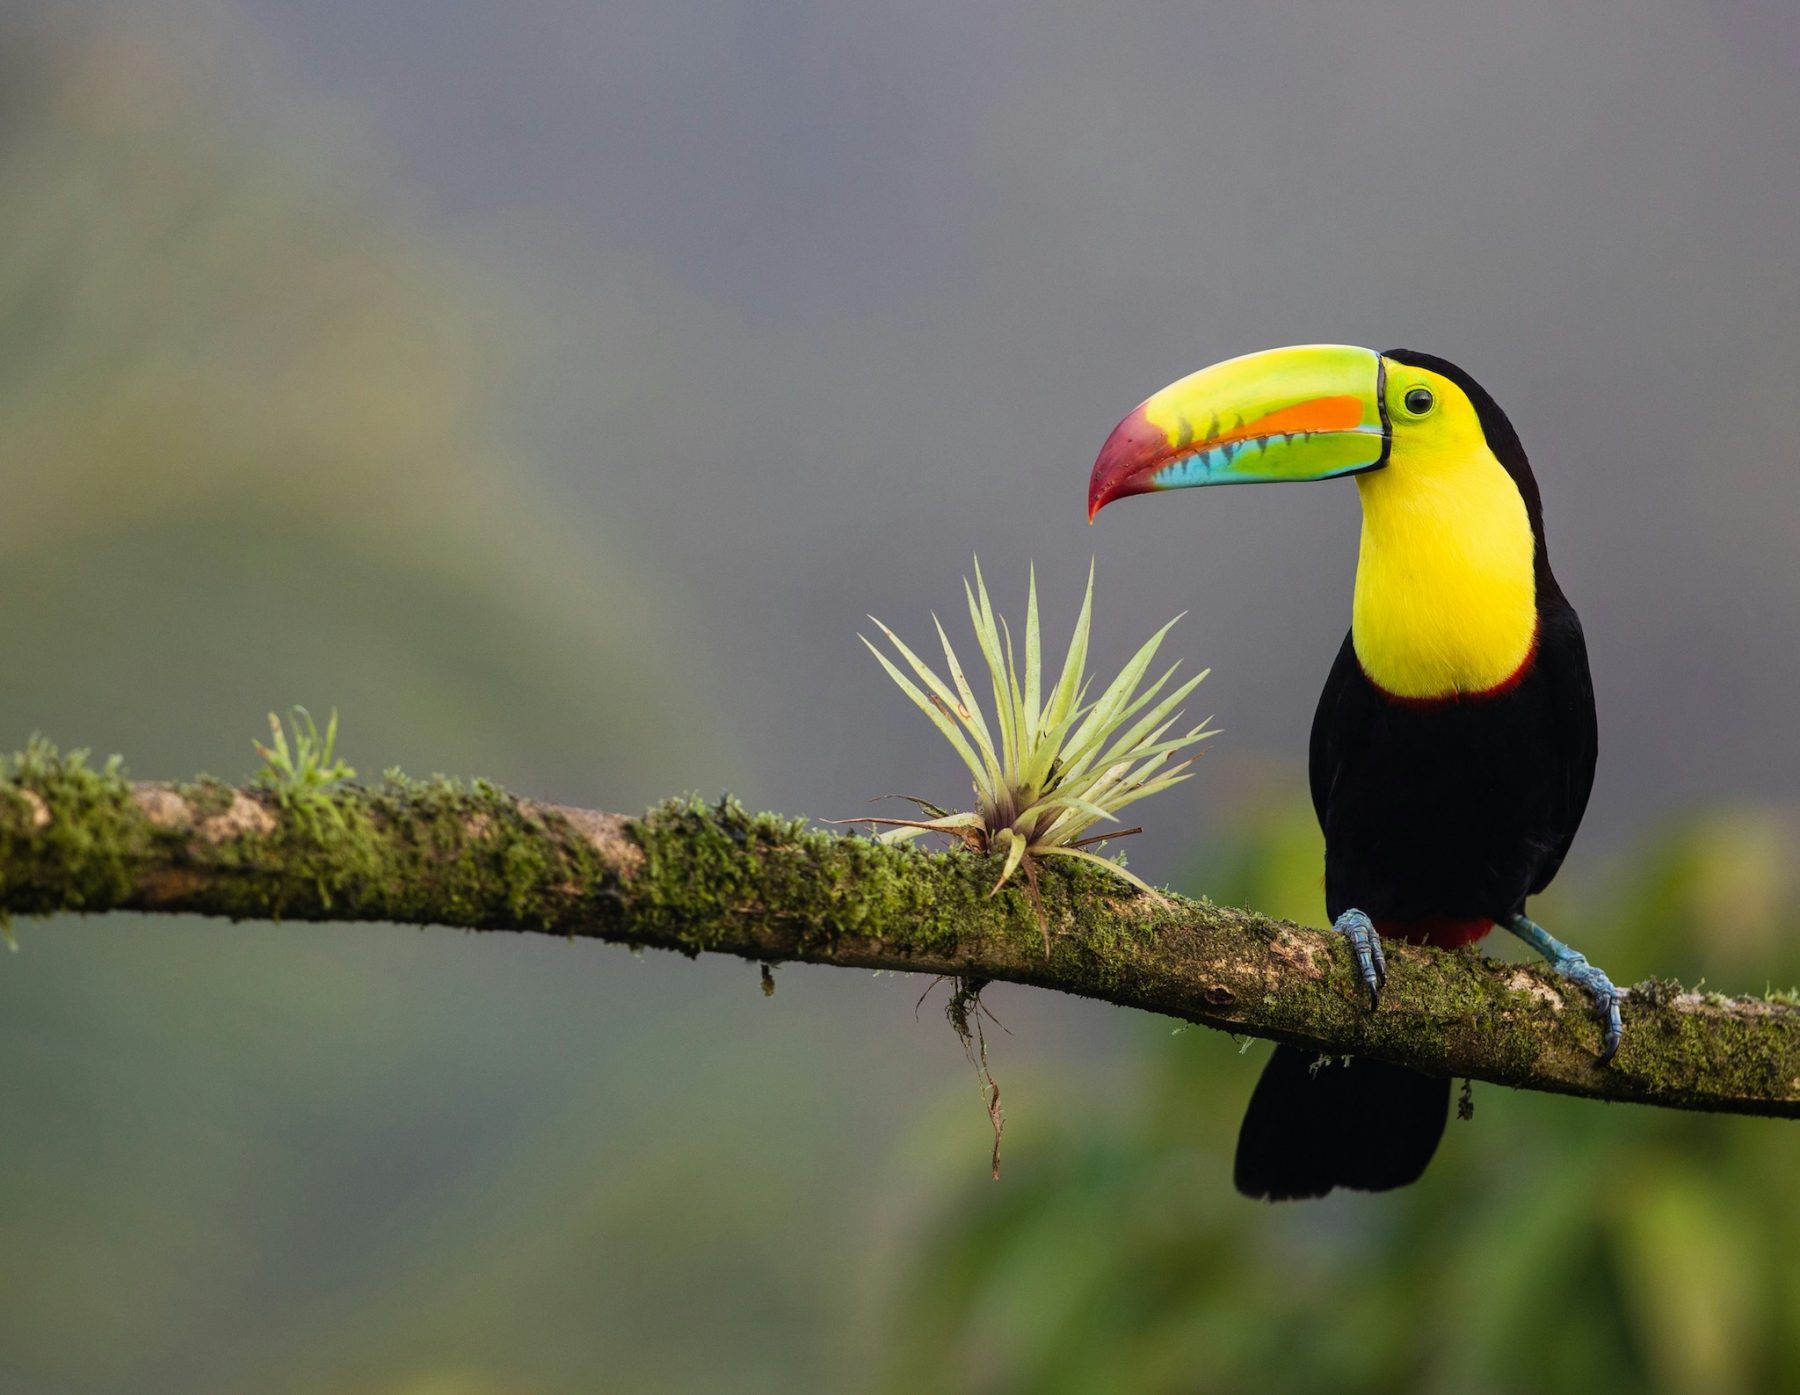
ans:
x=1311 y=412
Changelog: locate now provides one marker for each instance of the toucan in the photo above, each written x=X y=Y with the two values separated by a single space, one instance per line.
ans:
x=1453 y=748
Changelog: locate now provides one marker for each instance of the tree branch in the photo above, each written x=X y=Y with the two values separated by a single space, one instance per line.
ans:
x=693 y=878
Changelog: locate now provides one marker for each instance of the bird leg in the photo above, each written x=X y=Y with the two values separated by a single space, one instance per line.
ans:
x=1365 y=945
x=1572 y=964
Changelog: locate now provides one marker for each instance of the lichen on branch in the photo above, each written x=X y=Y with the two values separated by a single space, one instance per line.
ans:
x=713 y=878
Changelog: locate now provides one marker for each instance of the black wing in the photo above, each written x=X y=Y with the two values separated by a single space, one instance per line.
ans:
x=1562 y=653
x=1324 y=758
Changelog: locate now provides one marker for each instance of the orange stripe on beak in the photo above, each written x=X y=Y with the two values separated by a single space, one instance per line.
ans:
x=1321 y=414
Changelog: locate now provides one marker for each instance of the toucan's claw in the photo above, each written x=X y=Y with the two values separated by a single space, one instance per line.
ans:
x=1606 y=1000
x=1365 y=945
x=1573 y=965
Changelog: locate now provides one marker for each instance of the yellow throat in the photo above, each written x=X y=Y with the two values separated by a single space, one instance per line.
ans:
x=1445 y=602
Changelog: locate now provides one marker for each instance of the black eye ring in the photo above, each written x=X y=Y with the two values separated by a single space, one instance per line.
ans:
x=1419 y=401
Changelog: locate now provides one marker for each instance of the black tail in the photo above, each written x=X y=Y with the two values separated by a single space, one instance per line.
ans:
x=1366 y=1125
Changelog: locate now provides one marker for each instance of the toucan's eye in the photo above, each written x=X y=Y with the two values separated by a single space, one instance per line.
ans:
x=1419 y=401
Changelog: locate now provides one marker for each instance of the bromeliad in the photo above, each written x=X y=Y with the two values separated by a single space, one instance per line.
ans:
x=1051 y=767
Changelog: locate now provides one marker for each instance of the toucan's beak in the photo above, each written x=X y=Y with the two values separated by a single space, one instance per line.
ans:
x=1312 y=412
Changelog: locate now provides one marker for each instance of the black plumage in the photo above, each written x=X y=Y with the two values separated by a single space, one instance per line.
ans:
x=1440 y=818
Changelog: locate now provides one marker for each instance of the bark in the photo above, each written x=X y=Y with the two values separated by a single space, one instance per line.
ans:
x=696 y=878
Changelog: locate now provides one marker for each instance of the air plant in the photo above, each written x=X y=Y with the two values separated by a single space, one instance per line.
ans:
x=1047 y=770
x=302 y=775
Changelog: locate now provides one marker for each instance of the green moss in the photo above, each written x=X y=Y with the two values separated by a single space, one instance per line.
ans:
x=1657 y=991
x=706 y=866
x=68 y=832
x=207 y=796
x=1106 y=944
x=405 y=850
x=469 y=854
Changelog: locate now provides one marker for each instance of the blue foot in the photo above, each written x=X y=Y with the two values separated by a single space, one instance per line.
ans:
x=1572 y=964
x=1365 y=944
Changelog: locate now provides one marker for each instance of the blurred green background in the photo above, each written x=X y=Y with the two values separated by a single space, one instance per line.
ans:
x=552 y=387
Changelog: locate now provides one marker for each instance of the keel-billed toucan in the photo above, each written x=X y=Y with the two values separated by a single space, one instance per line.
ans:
x=1453 y=747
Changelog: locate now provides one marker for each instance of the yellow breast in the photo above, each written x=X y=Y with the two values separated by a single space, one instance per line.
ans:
x=1445 y=598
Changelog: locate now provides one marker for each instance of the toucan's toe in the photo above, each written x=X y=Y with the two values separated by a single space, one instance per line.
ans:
x=1606 y=1002
x=1365 y=947
x=1573 y=965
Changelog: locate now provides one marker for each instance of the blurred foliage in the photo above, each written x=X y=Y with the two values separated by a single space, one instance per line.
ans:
x=251 y=452
x=1554 y=1244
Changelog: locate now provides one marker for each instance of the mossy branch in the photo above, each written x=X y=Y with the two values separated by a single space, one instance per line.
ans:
x=690 y=877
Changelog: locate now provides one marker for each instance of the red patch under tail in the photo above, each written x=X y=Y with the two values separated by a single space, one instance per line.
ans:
x=1440 y=931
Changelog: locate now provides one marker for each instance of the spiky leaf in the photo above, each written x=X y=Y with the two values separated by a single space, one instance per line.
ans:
x=1061 y=765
